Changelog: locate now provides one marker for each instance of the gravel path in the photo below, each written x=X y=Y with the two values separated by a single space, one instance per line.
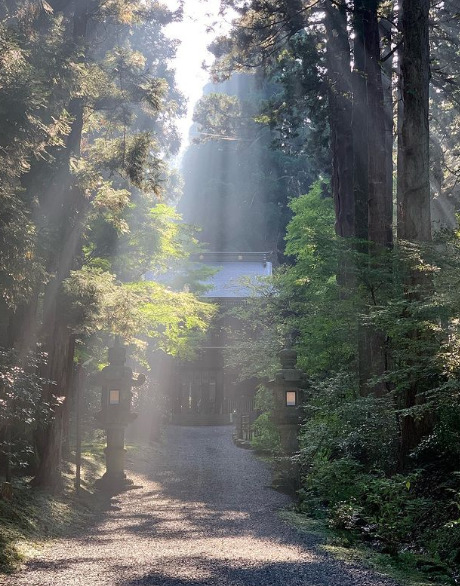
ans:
x=200 y=514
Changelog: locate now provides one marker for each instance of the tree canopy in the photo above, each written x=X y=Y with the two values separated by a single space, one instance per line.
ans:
x=88 y=112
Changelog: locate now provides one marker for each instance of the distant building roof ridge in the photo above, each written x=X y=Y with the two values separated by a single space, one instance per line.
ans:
x=232 y=256
x=236 y=273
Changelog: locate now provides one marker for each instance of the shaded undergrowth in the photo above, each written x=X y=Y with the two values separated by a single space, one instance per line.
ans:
x=31 y=516
x=407 y=568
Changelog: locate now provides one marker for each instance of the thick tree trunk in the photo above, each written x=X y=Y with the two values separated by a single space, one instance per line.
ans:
x=380 y=193
x=49 y=438
x=71 y=206
x=340 y=116
x=414 y=216
x=361 y=171
x=58 y=341
x=360 y=125
x=380 y=208
x=373 y=195
x=387 y=83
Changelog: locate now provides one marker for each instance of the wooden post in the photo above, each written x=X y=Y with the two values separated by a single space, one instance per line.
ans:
x=8 y=454
x=79 y=384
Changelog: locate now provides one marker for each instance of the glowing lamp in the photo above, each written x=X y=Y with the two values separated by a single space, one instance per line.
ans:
x=114 y=397
x=291 y=398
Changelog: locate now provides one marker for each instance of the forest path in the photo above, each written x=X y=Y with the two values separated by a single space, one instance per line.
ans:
x=201 y=513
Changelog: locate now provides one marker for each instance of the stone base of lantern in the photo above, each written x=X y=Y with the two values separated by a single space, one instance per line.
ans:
x=114 y=478
x=286 y=473
x=112 y=484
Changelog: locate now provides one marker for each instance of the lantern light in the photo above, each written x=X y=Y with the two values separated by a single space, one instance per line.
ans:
x=291 y=398
x=114 y=397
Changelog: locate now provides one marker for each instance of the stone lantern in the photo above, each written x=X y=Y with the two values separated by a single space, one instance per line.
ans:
x=116 y=381
x=287 y=387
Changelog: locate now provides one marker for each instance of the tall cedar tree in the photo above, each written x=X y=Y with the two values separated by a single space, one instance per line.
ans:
x=372 y=193
x=64 y=179
x=360 y=149
x=414 y=212
x=70 y=200
x=340 y=116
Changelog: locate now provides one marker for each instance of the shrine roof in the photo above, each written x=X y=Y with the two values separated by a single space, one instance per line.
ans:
x=234 y=278
x=235 y=273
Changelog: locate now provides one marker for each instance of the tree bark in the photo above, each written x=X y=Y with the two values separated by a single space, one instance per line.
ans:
x=340 y=116
x=373 y=194
x=387 y=83
x=371 y=124
x=360 y=124
x=71 y=206
x=380 y=193
x=414 y=216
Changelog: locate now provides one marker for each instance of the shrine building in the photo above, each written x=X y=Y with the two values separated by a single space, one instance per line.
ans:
x=202 y=391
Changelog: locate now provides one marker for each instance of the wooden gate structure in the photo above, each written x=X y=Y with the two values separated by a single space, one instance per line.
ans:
x=203 y=391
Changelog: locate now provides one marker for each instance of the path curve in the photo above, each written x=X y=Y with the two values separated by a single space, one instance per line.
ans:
x=201 y=513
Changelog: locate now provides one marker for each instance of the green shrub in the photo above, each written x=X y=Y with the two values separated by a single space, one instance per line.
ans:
x=266 y=436
x=334 y=481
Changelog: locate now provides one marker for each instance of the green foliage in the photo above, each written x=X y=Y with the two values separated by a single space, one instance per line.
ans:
x=157 y=240
x=348 y=454
x=46 y=77
x=338 y=423
x=21 y=406
x=254 y=347
x=274 y=40
x=32 y=517
x=314 y=304
x=339 y=297
x=141 y=313
x=177 y=321
x=131 y=157
x=88 y=110
x=311 y=230
x=350 y=444
x=266 y=435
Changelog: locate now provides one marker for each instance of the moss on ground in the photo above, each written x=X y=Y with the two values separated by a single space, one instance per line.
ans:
x=32 y=517
x=406 y=568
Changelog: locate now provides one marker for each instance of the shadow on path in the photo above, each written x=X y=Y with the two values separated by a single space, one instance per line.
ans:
x=201 y=513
